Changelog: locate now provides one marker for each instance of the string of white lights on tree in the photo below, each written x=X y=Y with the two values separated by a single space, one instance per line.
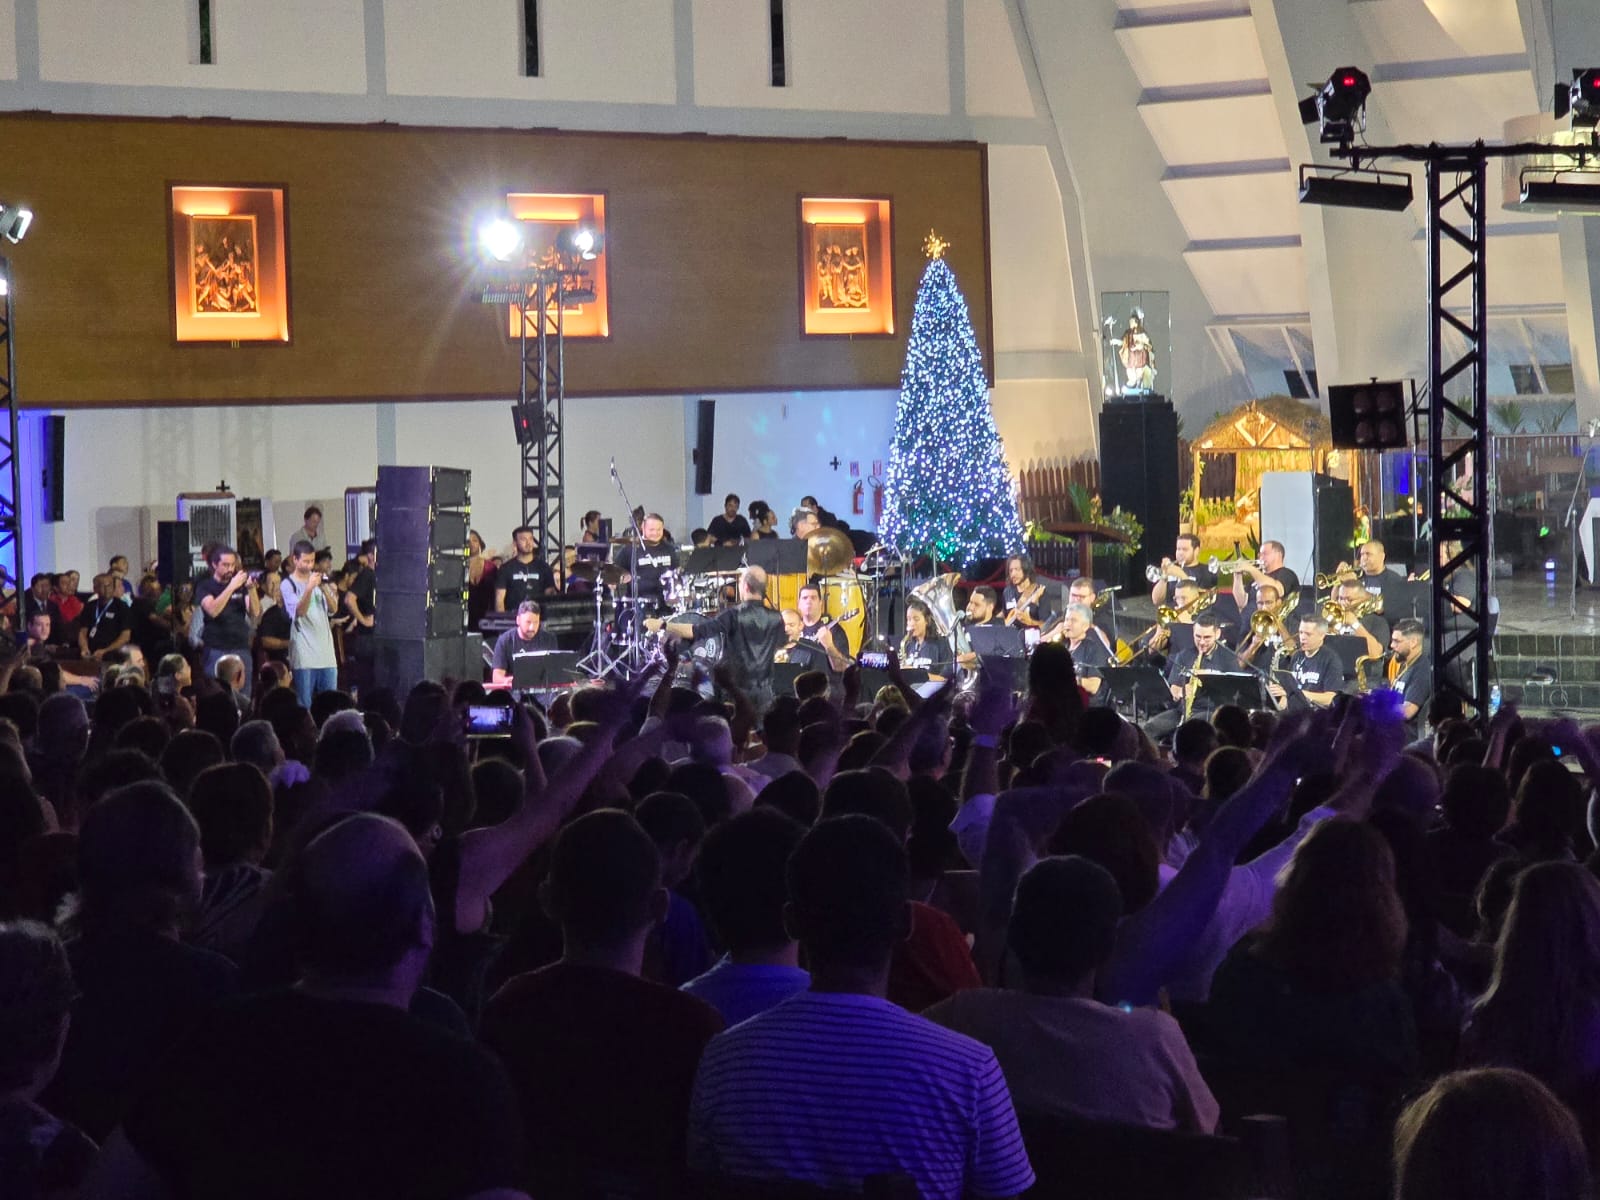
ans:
x=948 y=489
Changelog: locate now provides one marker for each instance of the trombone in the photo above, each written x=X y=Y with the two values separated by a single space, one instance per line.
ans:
x=1166 y=615
x=1328 y=582
x=1343 y=618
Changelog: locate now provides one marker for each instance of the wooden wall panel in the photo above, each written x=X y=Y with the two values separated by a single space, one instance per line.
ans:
x=384 y=282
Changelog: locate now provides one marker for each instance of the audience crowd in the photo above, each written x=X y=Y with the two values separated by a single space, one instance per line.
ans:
x=261 y=940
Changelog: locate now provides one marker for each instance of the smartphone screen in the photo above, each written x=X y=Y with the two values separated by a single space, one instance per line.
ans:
x=874 y=660
x=488 y=720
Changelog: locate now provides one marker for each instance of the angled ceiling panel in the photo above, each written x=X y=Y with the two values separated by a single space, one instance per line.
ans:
x=1255 y=280
x=1193 y=53
x=1235 y=129
x=1219 y=207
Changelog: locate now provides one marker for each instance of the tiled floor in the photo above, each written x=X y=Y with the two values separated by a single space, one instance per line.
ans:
x=1529 y=604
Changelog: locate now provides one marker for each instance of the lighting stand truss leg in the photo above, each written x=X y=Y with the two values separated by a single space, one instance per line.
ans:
x=1460 y=545
x=11 y=548
x=543 y=466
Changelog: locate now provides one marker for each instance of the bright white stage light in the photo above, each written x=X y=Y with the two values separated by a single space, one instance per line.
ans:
x=500 y=239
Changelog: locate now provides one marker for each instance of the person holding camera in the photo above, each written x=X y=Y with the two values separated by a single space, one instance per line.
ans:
x=310 y=600
x=229 y=606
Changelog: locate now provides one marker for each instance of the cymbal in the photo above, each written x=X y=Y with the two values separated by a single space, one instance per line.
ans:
x=828 y=551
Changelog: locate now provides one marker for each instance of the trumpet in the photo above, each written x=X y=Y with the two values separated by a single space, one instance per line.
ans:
x=1156 y=574
x=1217 y=566
x=1326 y=583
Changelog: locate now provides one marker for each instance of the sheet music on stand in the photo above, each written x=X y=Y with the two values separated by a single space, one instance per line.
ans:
x=543 y=670
x=1243 y=688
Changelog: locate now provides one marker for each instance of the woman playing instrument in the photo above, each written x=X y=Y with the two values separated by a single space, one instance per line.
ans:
x=922 y=646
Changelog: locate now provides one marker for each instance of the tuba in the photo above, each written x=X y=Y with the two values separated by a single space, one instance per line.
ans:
x=939 y=596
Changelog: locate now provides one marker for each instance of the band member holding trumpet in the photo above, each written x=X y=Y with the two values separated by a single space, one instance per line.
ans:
x=1379 y=581
x=1024 y=595
x=1317 y=672
x=1270 y=567
x=1184 y=564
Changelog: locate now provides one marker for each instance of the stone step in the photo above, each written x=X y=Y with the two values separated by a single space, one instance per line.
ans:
x=1548 y=645
x=1515 y=668
x=1564 y=696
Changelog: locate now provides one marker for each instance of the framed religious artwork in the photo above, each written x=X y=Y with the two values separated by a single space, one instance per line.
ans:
x=846 y=267
x=544 y=217
x=230 y=274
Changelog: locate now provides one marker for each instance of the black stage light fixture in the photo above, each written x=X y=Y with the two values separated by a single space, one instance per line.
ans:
x=529 y=420
x=1339 y=106
x=1389 y=191
x=1580 y=99
x=1561 y=195
x=1368 y=416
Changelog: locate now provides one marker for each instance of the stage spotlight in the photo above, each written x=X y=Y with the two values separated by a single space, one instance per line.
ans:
x=1339 y=106
x=14 y=222
x=1389 y=191
x=500 y=239
x=578 y=242
x=1561 y=195
x=1580 y=99
x=1367 y=416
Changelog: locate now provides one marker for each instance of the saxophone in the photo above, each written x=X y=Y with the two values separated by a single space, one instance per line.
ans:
x=1191 y=689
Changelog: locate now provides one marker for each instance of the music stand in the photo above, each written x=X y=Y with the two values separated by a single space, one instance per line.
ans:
x=777 y=556
x=1141 y=687
x=707 y=560
x=1007 y=667
x=544 y=669
x=997 y=641
x=1242 y=688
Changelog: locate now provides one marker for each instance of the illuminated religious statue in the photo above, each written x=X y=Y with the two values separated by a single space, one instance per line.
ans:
x=1137 y=355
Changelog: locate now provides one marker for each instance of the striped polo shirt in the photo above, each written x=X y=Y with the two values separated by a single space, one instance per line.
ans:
x=828 y=1088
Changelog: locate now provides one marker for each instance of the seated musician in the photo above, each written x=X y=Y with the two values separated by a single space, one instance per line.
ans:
x=1206 y=653
x=825 y=634
x=1318 y=673
x=798 y=648
x=1268 y=596
x=1413 y=677
x=922 y=646
x=1089 y=653
x=523 y=639
x=1372 y=627
x=1083 y=592
x=648 y=561
x=982 y=608
x=1024 y=596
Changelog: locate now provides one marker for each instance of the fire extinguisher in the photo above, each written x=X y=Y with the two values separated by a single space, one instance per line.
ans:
x=858 y=504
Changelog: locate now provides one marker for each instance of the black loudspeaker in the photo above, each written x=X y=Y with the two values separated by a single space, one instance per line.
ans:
x=422 y=571
x=1139 y=472
x=53 y=485
x=705 y=437
x=1367 y=416
x=1335 y=520
x=173 y=561
x=526 y=422
x=418 y=614
x=402 y=663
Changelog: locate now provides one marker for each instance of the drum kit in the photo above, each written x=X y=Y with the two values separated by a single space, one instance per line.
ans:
x=621 y=642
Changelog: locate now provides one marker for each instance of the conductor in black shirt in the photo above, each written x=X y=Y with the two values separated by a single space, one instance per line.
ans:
x=751 y=633
x=729 y=528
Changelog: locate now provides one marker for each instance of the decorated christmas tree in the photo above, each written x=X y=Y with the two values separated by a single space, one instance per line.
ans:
x=948 y=490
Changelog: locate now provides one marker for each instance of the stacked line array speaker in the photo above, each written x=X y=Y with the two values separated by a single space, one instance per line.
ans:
x=1139 y=473
x=420 y=627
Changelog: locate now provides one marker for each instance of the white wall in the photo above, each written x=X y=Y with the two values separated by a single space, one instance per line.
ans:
x=778 y=447
x=125 y=467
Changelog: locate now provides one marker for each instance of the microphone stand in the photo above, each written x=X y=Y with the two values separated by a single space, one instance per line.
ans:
x=634 y=657
x=1572 y=521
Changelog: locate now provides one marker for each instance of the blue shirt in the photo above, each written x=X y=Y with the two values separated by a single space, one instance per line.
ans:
x=739 y=991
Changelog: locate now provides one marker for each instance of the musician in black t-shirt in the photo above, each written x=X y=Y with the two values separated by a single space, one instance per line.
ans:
x=1271 y=567
x=523 y=639
x=1318 y=674
x=826 y=634
x=522 y=577
x=922 y=646
x=1379 y=581
x=1415 y=680
x=1184 y=564
x=648 y=561
x=1024 y=596
x=1089 y=653
x=729 y=528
